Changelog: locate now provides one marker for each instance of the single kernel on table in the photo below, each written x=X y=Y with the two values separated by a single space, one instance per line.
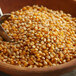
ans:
x=43 y=37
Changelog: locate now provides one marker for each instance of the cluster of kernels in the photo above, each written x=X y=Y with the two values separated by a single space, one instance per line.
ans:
x=43 y=37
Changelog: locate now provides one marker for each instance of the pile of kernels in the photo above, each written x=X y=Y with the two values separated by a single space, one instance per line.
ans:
x=43 y=37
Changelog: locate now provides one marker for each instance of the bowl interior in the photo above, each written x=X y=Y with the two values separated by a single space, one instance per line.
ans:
x=67 y=6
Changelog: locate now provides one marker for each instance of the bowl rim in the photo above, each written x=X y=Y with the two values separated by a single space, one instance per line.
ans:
x=5 y=66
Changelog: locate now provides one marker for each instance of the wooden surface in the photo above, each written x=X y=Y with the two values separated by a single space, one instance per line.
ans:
x=3 y=74
x=73 y=73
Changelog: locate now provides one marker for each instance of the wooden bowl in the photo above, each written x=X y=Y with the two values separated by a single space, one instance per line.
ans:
x=68 y=6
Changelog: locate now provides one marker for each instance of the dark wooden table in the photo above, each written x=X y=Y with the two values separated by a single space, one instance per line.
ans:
x=3 y=74
x=73 y=73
